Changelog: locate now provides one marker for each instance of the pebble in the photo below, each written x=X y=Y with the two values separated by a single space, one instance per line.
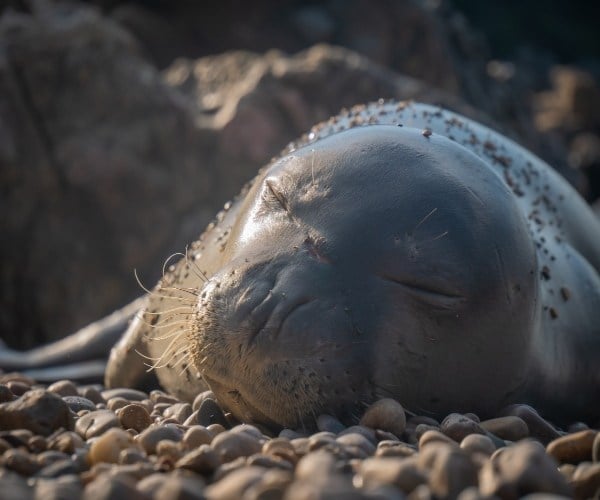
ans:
x=457 y=427
x=5 y=394
x=91 y=393
x=586 y=481
x=230 y=445
x=432 y=436
x=510 y=427
x=125 y=393
x=134 y=416
x=210 y=413
x=477 y=443
x=538 y=427
x=39 y=411
x=573 y=448
x=233 y=486
x=203 y=460
x=450 y=469
x=108 y=446
x=404 y=474
x=78 y=403
x=179 y=411
x=96 y=423
x=196 y=436
x=199 y=399
x=67 y=487
x=596 y=448
x=63 y=388
x=151 y=436
x=66 y=442
x=178 y=487
x=520 y=469
x=386 y=414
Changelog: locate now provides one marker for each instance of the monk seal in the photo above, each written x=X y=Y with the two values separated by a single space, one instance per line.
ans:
x=397 y=250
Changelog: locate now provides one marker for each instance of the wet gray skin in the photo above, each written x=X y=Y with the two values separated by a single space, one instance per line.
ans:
x=398 y=250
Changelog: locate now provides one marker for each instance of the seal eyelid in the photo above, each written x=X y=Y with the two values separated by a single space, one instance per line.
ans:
x=430 y=294
x=279 y=196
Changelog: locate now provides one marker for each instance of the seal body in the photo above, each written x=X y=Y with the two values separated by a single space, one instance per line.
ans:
x=397 y=250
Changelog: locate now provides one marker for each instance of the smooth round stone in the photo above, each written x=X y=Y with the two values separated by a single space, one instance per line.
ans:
x=63 y=388
x=196 y=436
x=319 y=440
x=96 y=423
x=280 y=447
x=151 y=436
x=66 y=487
x=271 y=486
x=586 y=481
x=231 y=445
x=510 y=427
x=215 y=429
x=249 y=429
x=367 y=432
x=596 y=449
x=478 y=443
x=108 y=446
x=66 y=442
x=404 y=474
x=17 y=387
x=59 y=468
x=125 y=393
x=199 y=399
x=202 y=460
x=519 y=469
x=290 y=434
x=386 y=414
x=179 y=411
x=328 y=423
x=113 y=404
x=106 y=487
x=314 y=465
x=134 y=416
x=450 y=469
x=573 y=448
x=211 y=413
x=50 y=456
x=457 y=427
x=335 y=486
x=39 y=411
x=78 y=403
x=234 y=484
x=389 y=448
x=538 y=427
x=20 y=461
x=356 y=440
x=432 y=436
x=178 y=487
x=269 y=462
x=92 y=393
x=130 y=456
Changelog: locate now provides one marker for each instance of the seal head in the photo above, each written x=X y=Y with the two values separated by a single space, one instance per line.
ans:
x=344 y=280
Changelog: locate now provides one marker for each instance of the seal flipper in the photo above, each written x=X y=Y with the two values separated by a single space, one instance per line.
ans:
x=80 y=356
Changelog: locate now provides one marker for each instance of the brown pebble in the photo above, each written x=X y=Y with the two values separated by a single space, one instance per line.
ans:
x=586 y=481
x=125 y=393
x=353 y=440
x=131 y=456
x=573 y=448
x=111 y=488
x=320 y=439
x=450 y=469
x=233 y=486
x=37 y=444
x=269 y=462
x=195 y=436
x=386 y=414
x=66 y=442
x=318 y=464
x=215 y=429
x=39 y=411
x=20 y=461
x=434 y=436
x=178 y=411
x=108 y=446
x=17 y=387
x=179 y=487
x=596 y=449
x=404 y=474
x=63 y=388
x=91 y=393
x=538 y=427
x=203 y=460
x=366 y=432
x=113 y=404
x=50 y=456
x=520 y=469
x=394 y=449
x=478 y=443
x=211 y=413
x=96 y=423
x=272 y=486
x=62 y=488
x=510 y=427
x=134 y=416
x=158 y=396
x=151 y=436
x=280 y=447
x=457 y=426
x=231 y=445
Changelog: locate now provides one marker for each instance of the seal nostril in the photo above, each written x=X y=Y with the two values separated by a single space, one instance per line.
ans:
x=315 y=249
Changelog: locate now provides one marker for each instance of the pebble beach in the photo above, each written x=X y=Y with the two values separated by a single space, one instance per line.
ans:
x=69 y=441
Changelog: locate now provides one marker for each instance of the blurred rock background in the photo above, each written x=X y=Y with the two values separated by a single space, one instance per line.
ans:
x=125 y=126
